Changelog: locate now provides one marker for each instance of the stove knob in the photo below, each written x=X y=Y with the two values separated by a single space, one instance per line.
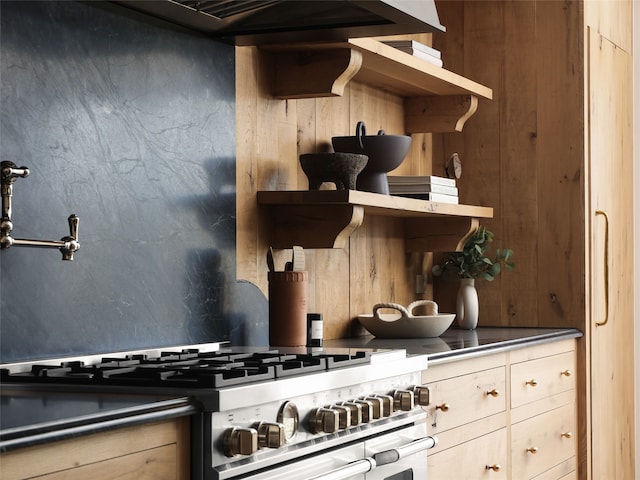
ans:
x=366 y=408
x=403 y=400
x=356 y=411
x=421 y=394
x=377 y=406
x=240 y=441
x=270 y=434
x=386 y=405
x=344 y=416
x=324 y=420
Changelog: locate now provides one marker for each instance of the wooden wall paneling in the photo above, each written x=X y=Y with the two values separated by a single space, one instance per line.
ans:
x=332 y=265
x=451 y=44
x=306 y=142
x=562 y=175
x=248 y=259
x=560 y=158
x=379 y=271
x=379 y=110
x=481 y=180
x=277 y=125
x=519 y=165
x=377 y=257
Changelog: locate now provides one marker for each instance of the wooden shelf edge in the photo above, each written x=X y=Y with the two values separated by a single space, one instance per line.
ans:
x=327 y=218
x=373 y=203
x=381 y=66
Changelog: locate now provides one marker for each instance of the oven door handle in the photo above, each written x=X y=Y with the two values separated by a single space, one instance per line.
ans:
x=395 y=454
x=354 y=468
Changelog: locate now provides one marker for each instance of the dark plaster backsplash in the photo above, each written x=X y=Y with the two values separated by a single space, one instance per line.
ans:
x=129 y=123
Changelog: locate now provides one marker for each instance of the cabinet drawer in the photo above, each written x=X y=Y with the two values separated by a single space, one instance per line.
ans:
x=460 y=400
x=541 y=442
x=539 y=378
x=483 y=458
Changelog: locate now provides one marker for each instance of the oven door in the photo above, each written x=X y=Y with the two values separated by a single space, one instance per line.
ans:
x=398 y=455
x=348 y=460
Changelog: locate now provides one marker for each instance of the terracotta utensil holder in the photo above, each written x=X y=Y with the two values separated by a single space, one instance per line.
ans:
x=288 y=293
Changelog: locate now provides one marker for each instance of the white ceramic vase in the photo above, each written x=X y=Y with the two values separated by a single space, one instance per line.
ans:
x=467 y=304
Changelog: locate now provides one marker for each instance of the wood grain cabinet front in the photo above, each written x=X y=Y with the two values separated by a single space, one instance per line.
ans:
x=464 y=399
x=540 y=378
x=157 y=451
x=467 y=411
x=481 y=458
x=509 y=415
x=542 y=442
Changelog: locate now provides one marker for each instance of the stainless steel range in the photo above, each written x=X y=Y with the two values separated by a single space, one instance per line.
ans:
x=295 y=414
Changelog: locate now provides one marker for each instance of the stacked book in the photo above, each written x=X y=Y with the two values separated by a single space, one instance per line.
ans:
x=427 y=187
x=418 y=50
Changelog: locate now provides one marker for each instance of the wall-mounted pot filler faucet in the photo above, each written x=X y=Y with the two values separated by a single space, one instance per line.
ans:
x=67 y=245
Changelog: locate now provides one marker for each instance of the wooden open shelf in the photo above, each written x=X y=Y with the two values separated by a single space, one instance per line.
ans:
x=436 y=100
x=326 y=218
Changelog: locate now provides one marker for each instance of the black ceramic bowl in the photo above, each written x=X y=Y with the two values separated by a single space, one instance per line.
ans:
x=342 y=169
x=385 y=152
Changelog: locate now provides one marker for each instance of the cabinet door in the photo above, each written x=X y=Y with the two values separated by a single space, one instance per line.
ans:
x=460 y=400
x=611 y=263
x=542 y=442
x=482 y=458
x=542 y=377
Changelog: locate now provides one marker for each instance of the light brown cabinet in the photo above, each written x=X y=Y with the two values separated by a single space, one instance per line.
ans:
x=509 y=415
x=557 y=139
x=158 y=451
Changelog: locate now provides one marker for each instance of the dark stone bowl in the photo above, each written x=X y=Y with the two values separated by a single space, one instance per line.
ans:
x=385 y=152
x=342 y=169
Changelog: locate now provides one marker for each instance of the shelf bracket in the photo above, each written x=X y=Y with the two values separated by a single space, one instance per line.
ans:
x=438 y=234
x=314 y=226
x=312 y=74
x=438 y=114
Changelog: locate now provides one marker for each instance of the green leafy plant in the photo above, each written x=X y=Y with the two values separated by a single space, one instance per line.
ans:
x=472 y=262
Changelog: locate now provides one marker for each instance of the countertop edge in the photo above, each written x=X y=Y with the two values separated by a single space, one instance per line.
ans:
x=90 y=424
x=503 y=346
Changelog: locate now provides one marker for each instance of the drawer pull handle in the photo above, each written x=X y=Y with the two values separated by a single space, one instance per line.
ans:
x=533 y=450
x=495 y=467
x=566 y=434
x=444 y=407
x=494 y=393
x=566 y=373
x=533 y=382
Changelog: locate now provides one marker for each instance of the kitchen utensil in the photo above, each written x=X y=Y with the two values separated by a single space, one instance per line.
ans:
x=406 y=325
x=298 y=260
x=270 y=262
x=385 y=152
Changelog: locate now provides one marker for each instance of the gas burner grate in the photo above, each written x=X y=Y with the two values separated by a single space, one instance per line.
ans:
x=187 y=369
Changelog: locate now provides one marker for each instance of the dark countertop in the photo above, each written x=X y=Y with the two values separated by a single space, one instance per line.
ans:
x=455 y=344
x=31 y=415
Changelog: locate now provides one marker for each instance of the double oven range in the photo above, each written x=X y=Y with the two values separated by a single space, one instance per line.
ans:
x=286 y=413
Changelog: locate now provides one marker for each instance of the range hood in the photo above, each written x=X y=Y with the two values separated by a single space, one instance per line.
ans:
x=256 y=22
